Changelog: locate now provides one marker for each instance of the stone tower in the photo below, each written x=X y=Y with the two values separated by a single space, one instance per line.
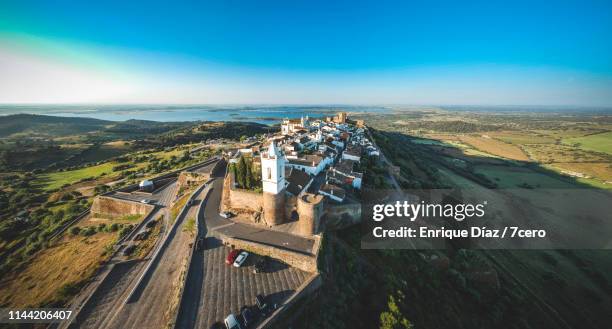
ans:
x=310 y=208
x=273 y=179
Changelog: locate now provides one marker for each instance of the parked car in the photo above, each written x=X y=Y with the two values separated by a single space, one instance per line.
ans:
x=200 y=244
x=226 y=214
x=129 y=250
x=146 y=201
x=241 y=259
x=232 y=256
x=261 y=265
x=247 y=316
x=231 y=322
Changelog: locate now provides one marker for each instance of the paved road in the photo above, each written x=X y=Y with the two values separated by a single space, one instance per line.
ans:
x=215 y=289
x=113 y=291
x=150 y=307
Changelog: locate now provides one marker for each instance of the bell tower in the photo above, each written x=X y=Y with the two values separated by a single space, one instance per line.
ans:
x=273 y=179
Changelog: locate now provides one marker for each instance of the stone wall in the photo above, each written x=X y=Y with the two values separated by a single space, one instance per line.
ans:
x=274 y=208
x=304 y=262
x=244 y=199
x=308 y=288
x=310 y=208
x=240 y=199
x=113 y=207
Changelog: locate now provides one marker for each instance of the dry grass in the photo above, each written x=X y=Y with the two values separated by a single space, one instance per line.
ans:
x=521 y=138
x=602 y=170
x=69 y=261
x=495 y=147
x=144 y=247
x=549 y=153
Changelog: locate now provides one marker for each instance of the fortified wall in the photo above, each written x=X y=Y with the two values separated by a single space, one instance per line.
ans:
x=240 y=199
x=113 y=207
x=305 y=262
x=311 y=208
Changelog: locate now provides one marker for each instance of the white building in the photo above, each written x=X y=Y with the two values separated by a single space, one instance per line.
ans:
x=273 y=170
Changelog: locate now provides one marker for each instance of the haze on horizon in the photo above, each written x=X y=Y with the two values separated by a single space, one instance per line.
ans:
x=307 y=52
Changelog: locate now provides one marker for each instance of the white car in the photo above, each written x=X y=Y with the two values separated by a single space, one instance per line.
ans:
x=226 y=214
x=231 y=322
x=145 y=201
x=241 y=258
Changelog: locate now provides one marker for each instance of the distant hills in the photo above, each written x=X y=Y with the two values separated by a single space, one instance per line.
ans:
x=48 y=125
x=52 y=126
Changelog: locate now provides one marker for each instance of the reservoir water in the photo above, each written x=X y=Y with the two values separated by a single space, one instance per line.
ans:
x=260 y=114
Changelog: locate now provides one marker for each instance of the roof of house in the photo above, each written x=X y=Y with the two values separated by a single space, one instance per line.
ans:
x=333 y=190
x=297 y=180
x=353 y=150
x=309 y=160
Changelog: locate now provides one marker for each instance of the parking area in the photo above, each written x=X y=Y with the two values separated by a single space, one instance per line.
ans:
x=226 y=289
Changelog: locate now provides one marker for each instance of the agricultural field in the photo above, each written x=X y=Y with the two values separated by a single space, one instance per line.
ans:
x=596 y=142
x=573 y=146
x=515 y=177
x=487 y=144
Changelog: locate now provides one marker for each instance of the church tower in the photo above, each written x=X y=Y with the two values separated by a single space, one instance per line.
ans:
x=273 y=179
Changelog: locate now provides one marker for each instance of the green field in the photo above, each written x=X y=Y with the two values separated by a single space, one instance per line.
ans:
x=513 y=177
x=598 y=142
x=58 y=179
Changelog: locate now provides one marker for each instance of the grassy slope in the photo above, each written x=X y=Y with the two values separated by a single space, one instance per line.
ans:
x=58 y=179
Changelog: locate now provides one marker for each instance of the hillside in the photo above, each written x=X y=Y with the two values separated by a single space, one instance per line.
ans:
x=44 y=125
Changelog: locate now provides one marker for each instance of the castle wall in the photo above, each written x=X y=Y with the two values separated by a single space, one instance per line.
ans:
x=239 y=198
x=244 y=199
x=112 y=207
x=290 y=205
x=302 y=261
x=274 y=208
x=310 y=209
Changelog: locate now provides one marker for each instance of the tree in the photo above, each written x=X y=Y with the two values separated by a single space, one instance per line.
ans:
x=241 y=173
x=248 y=182
x=393 y=318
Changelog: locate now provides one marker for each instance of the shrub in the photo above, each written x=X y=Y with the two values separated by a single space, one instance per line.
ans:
x=75 y=230
x=89 y=231
x=101 y=227
x=114 y=227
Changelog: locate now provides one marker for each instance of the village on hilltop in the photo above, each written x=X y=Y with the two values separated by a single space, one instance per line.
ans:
x=302 y=179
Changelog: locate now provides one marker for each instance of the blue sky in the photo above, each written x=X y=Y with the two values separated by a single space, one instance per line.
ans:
x=315 y=52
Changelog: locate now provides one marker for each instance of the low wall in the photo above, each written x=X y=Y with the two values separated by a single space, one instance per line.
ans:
x=115 y=207
x=311 y=285
x=304 y=262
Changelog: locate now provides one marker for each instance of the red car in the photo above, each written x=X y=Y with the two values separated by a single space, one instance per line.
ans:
x=232 y=256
